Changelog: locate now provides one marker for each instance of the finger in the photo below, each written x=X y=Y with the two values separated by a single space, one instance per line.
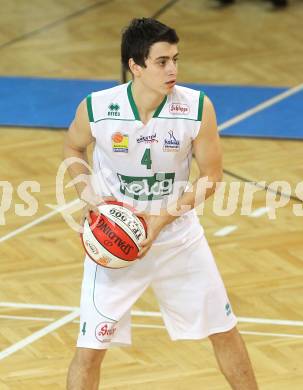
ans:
x=141 y=214
x=107 y=199
x=143 y=252
x=145 y=243
x=83 y=218
x=88 y=217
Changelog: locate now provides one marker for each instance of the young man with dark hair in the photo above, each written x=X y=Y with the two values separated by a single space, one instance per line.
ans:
x=144 y=133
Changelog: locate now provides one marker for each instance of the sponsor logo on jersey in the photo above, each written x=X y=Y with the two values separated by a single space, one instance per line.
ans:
x=147 y=188
x=147 y=139
x=114 y=109
x=228 y=309
x=120 y=142
x=105 y=331
x=171 y=144
x=179 y=108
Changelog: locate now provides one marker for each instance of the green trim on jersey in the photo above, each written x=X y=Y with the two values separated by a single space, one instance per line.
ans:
x=134 y=107
x=132 y=102
x=159 y=109
x=89 y=108
x=115 y=119
x=200 y=108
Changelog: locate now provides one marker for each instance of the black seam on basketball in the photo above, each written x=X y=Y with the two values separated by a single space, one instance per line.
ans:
x=122 y=229
x=108 y=248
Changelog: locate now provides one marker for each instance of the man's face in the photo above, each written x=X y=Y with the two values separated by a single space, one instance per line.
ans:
x=161 y=68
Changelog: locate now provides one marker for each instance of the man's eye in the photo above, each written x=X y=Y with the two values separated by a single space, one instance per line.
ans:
x=162 y=63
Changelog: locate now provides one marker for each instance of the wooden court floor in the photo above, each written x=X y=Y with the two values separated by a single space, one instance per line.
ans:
x=260 y=258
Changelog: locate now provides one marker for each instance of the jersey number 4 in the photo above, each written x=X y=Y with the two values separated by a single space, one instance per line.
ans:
x=146 y=159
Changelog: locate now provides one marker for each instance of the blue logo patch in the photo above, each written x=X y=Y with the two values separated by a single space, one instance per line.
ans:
x=171 y=144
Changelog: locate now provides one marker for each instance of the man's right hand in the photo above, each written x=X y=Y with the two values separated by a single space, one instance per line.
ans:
x=92 y=206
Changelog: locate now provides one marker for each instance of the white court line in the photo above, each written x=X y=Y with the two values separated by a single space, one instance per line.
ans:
x=260 y=107
x=225 y=231
x=287 y=335
x=259 y=212
x=284 y=335
x=148 y=326
x=38 y=220
x=37 y=306
x=37 y=335
x=151 y=326
x=253 y=320
x=26 y=318
x=225 y=125
x=141 y=313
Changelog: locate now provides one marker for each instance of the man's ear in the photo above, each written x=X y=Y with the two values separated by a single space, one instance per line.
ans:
x=134 y=68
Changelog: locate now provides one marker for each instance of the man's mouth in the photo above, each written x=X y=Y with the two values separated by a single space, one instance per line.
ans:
x=171 y=83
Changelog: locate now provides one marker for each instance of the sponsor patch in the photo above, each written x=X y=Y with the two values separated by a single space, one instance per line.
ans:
x=147 y=187
x=171 y=144
x=120 y=142
x=147 y=139
x=105 y=331
x=113 y=109
x=179 y=109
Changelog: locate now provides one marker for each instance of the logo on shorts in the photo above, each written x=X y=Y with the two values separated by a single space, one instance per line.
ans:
x=179 y=108
x=83 y=330
x=105 y=331
x=228 y=309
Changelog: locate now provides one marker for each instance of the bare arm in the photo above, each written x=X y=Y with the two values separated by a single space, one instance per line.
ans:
x=76 y=141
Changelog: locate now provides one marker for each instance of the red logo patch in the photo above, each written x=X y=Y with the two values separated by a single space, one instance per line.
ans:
x=179 y=108
x=105 y=331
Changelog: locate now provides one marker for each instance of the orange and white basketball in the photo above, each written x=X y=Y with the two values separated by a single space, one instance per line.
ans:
x=113 y=238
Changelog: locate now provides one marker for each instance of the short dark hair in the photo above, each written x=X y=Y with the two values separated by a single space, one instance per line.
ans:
x=140 y=35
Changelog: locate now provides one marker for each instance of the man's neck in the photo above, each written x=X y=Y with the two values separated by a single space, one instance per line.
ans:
x=147 y=101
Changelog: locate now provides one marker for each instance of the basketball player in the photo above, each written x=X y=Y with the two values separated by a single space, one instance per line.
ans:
x=144 y=134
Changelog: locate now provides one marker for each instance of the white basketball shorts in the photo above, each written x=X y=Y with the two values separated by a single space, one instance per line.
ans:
x=182 y=272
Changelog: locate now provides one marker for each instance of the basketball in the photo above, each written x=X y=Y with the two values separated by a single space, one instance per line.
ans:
x=113 y=238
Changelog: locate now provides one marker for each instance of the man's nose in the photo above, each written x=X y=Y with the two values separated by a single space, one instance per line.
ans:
x=172 y=67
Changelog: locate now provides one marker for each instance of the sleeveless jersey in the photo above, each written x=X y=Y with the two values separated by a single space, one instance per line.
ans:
x=145 y=165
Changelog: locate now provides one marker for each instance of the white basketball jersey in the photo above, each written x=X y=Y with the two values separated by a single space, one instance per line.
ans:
x=146 y=165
